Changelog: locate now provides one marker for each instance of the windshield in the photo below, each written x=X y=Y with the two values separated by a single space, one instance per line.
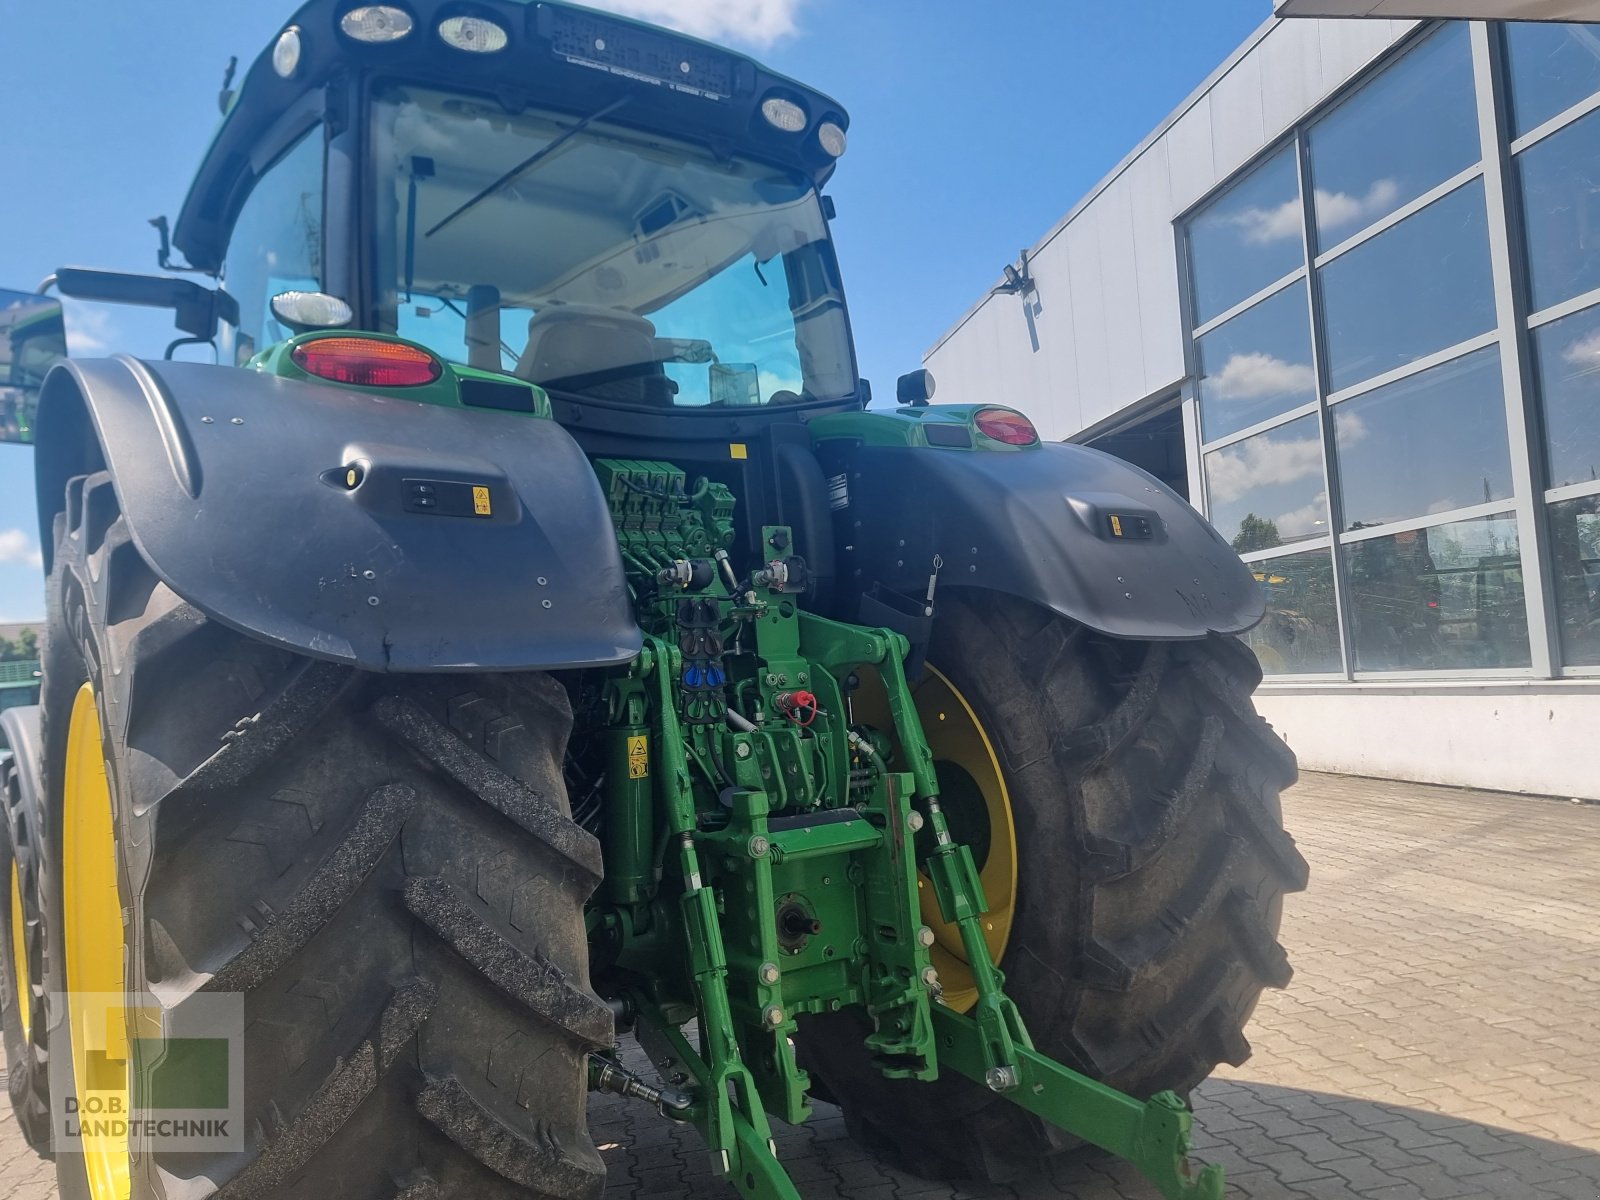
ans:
x=603 y=262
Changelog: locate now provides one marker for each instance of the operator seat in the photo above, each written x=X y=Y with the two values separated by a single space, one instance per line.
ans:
x=603 y=353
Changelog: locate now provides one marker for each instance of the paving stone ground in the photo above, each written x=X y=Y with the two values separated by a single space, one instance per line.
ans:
x=1440 y=1040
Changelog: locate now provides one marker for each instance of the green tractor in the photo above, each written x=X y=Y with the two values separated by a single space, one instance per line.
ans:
x=526 y=633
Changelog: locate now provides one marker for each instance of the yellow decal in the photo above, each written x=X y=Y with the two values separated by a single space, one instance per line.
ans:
x=480 y=502
x=738 y=450
x=638 y=756
x=1116 y=525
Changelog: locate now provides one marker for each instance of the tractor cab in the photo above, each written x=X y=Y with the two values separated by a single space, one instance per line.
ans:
x=631 y=219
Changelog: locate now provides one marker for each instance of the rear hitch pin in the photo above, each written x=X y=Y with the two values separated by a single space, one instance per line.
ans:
x=607 y=1076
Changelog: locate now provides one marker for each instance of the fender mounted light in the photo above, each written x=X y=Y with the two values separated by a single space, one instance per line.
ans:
x=304 y=311
x=1006 y=426
x=367 y=362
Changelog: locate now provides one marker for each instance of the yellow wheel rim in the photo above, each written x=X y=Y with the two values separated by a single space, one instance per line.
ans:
x=977 y=803
x=19 y=957
x=94 y=943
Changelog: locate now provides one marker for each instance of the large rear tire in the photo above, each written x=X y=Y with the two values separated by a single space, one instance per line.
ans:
x=385 y=868
x=1151 y=863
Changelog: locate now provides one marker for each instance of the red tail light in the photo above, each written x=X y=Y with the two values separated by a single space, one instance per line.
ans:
x=367 y=362
x=1006 y=426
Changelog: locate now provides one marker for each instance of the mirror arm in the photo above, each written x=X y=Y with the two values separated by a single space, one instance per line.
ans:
x=197 y=310
x=188 y=341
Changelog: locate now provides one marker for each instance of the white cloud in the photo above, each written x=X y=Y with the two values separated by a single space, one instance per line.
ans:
x=1262 y=462
x=1307 y=519
x=90 y=332
x=1263 y=226
x=1337 y=209
x=755 y=22
x=1584 y=352
x=1255 y=375
x=17 y=546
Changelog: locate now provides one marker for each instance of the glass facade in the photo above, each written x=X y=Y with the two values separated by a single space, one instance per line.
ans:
x=1396 y=325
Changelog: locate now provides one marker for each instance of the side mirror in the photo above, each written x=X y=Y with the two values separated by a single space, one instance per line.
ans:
x=32 y=338
x=196 y=309
x=914 y=389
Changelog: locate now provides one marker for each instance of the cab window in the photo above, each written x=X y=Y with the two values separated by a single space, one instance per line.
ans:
x=276 y=246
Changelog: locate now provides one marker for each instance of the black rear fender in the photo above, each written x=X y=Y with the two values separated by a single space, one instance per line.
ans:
x=1073 y=529
x=235 y=488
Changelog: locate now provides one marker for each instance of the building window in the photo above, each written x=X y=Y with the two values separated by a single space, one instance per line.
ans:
x=1246 y=239
x=1447 y=597
x=1427 y=444
x=1419 y=287
x=1550 y=68
x=1560 y=177
x=1257 y=365
x=1566 y=355
x=1575 y=542
x=1367 y=160
x=1267 y=490
x=1300 y=633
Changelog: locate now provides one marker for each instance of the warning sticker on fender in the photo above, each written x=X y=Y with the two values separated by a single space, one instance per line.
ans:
x=638 y=756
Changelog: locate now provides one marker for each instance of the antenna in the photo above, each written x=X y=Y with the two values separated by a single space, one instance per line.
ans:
x=225 y=96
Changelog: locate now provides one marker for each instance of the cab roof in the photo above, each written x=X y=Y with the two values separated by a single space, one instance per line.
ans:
x=558 y=56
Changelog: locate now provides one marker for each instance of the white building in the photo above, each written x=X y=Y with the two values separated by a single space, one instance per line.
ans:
x=1347 y=299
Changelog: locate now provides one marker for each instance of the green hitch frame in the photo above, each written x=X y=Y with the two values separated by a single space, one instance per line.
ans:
x=714 y=830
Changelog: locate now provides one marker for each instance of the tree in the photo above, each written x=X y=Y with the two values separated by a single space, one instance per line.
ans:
x=1256 y=533
x=24 y=649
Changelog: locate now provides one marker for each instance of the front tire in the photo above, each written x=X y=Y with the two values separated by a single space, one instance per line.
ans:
x=384 y=868
x=1151 y=865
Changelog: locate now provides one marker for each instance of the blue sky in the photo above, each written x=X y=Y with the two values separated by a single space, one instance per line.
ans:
x=974 y=127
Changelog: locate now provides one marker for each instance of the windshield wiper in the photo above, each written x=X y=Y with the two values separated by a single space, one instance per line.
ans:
x=530 y=162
